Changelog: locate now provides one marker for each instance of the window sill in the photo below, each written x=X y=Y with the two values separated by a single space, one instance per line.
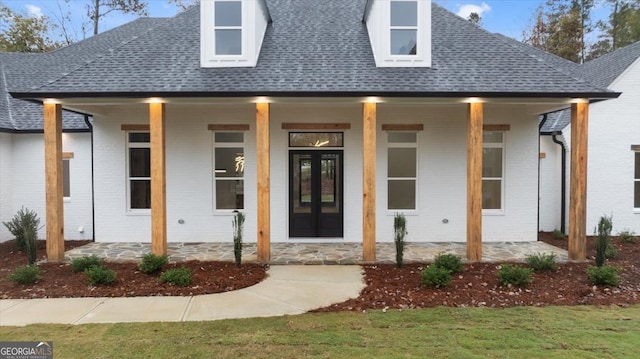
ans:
x=493 y=212
x=66 y=199
x=139 y=212
x=225 y=212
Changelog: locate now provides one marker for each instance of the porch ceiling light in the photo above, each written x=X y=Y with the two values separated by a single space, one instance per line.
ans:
x=579 y=100
x=474 y=100
x=155 y=100
x=262 y=99
x=51 y=101
x=372 y=99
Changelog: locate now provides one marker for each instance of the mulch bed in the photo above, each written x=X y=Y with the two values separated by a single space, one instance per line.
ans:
x=387 y=286
x=478 y=285
x=59 y=281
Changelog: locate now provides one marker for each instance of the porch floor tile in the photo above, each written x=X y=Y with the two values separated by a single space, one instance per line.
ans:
x=315 y=253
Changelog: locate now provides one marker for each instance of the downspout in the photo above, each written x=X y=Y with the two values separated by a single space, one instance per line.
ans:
x=563 y=180
x=93 y=201
x=544 y=120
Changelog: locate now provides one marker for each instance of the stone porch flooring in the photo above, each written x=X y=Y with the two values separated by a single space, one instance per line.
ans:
x=316 y=253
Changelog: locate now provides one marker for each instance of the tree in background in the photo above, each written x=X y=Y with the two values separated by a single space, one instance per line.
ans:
x=97 y=9
x=183 y=4
x=560 y=27
x=475 y=18
x=621 y=29
x=20 y=33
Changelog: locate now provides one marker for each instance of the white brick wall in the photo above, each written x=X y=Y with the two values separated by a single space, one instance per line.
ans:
x=27 y=187
x=441 y=187
x=5 y=184
x=614 y=126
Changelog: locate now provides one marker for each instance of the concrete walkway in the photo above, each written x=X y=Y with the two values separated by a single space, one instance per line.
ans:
x=288 y=290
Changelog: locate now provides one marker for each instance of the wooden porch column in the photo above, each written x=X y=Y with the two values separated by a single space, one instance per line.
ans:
x=474 y=182
x=369 y=182
x=53 y=175
x=578 y=181
x=158 y=179
x=264 y=214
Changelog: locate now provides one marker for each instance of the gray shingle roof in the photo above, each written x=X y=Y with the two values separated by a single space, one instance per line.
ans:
x=601 y=72
x=311 y=48
x=606 y=68
x=28 y=71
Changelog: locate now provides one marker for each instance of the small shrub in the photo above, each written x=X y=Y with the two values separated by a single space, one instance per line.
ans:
x=558 y=234
x=152 y=263
x=178 y=276
x=84 y=263
x=30 y=238
x=100 y=275
x=435 y=277
x=514 y=275
x=238 y=224
x=24 y=219
x=604 y=275
x=399 y=232
x=610 y=252
x=25 y=274
x=450 y=262
x=628 y=236
x=542 y=262
x=602 y=241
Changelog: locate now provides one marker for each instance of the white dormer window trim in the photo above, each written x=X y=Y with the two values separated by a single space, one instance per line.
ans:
x=403 y=21
x=231 y=32
x=383 y=18
x=227 y=25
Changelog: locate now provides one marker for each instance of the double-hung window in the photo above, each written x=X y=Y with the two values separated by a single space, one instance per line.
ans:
x=636 y=181
x=138 y=171
x=404 y=27
x=228 y=155
x=228 y=27
x=402 y=156
x=493 y=171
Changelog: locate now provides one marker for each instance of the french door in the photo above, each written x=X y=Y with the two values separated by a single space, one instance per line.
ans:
x=315 y=193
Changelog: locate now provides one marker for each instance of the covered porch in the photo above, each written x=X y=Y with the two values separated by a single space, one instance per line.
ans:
x=370 y=249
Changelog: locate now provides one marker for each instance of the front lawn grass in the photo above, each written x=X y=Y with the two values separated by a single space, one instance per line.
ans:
x=524 y=332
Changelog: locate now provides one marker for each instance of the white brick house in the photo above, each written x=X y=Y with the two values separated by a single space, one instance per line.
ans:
x=320 y=126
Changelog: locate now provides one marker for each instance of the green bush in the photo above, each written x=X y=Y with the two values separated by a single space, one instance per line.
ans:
x=84 y=263
x=604 y=275
x=602 y=240
x=178 y=276
x=628 y=236
x=450 y=262
x=558 y=234
x=399 y=233
x=514 y=275
x=238 y=225
x=435 y=277
x=610 y=251
x=152 y=263
x=24 y=227
x=25 y=274
x=100 y=275
x=542 y=262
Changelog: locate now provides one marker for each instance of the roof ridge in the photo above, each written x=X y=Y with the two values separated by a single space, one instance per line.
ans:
x=101 y=55
x=615 y=53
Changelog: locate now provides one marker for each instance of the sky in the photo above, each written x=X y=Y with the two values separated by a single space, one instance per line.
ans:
x=508 y=17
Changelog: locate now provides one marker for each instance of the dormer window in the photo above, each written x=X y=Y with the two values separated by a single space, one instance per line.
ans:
x=399 y=32
x=228 y=27
x=231 y=32
x=403 y=27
